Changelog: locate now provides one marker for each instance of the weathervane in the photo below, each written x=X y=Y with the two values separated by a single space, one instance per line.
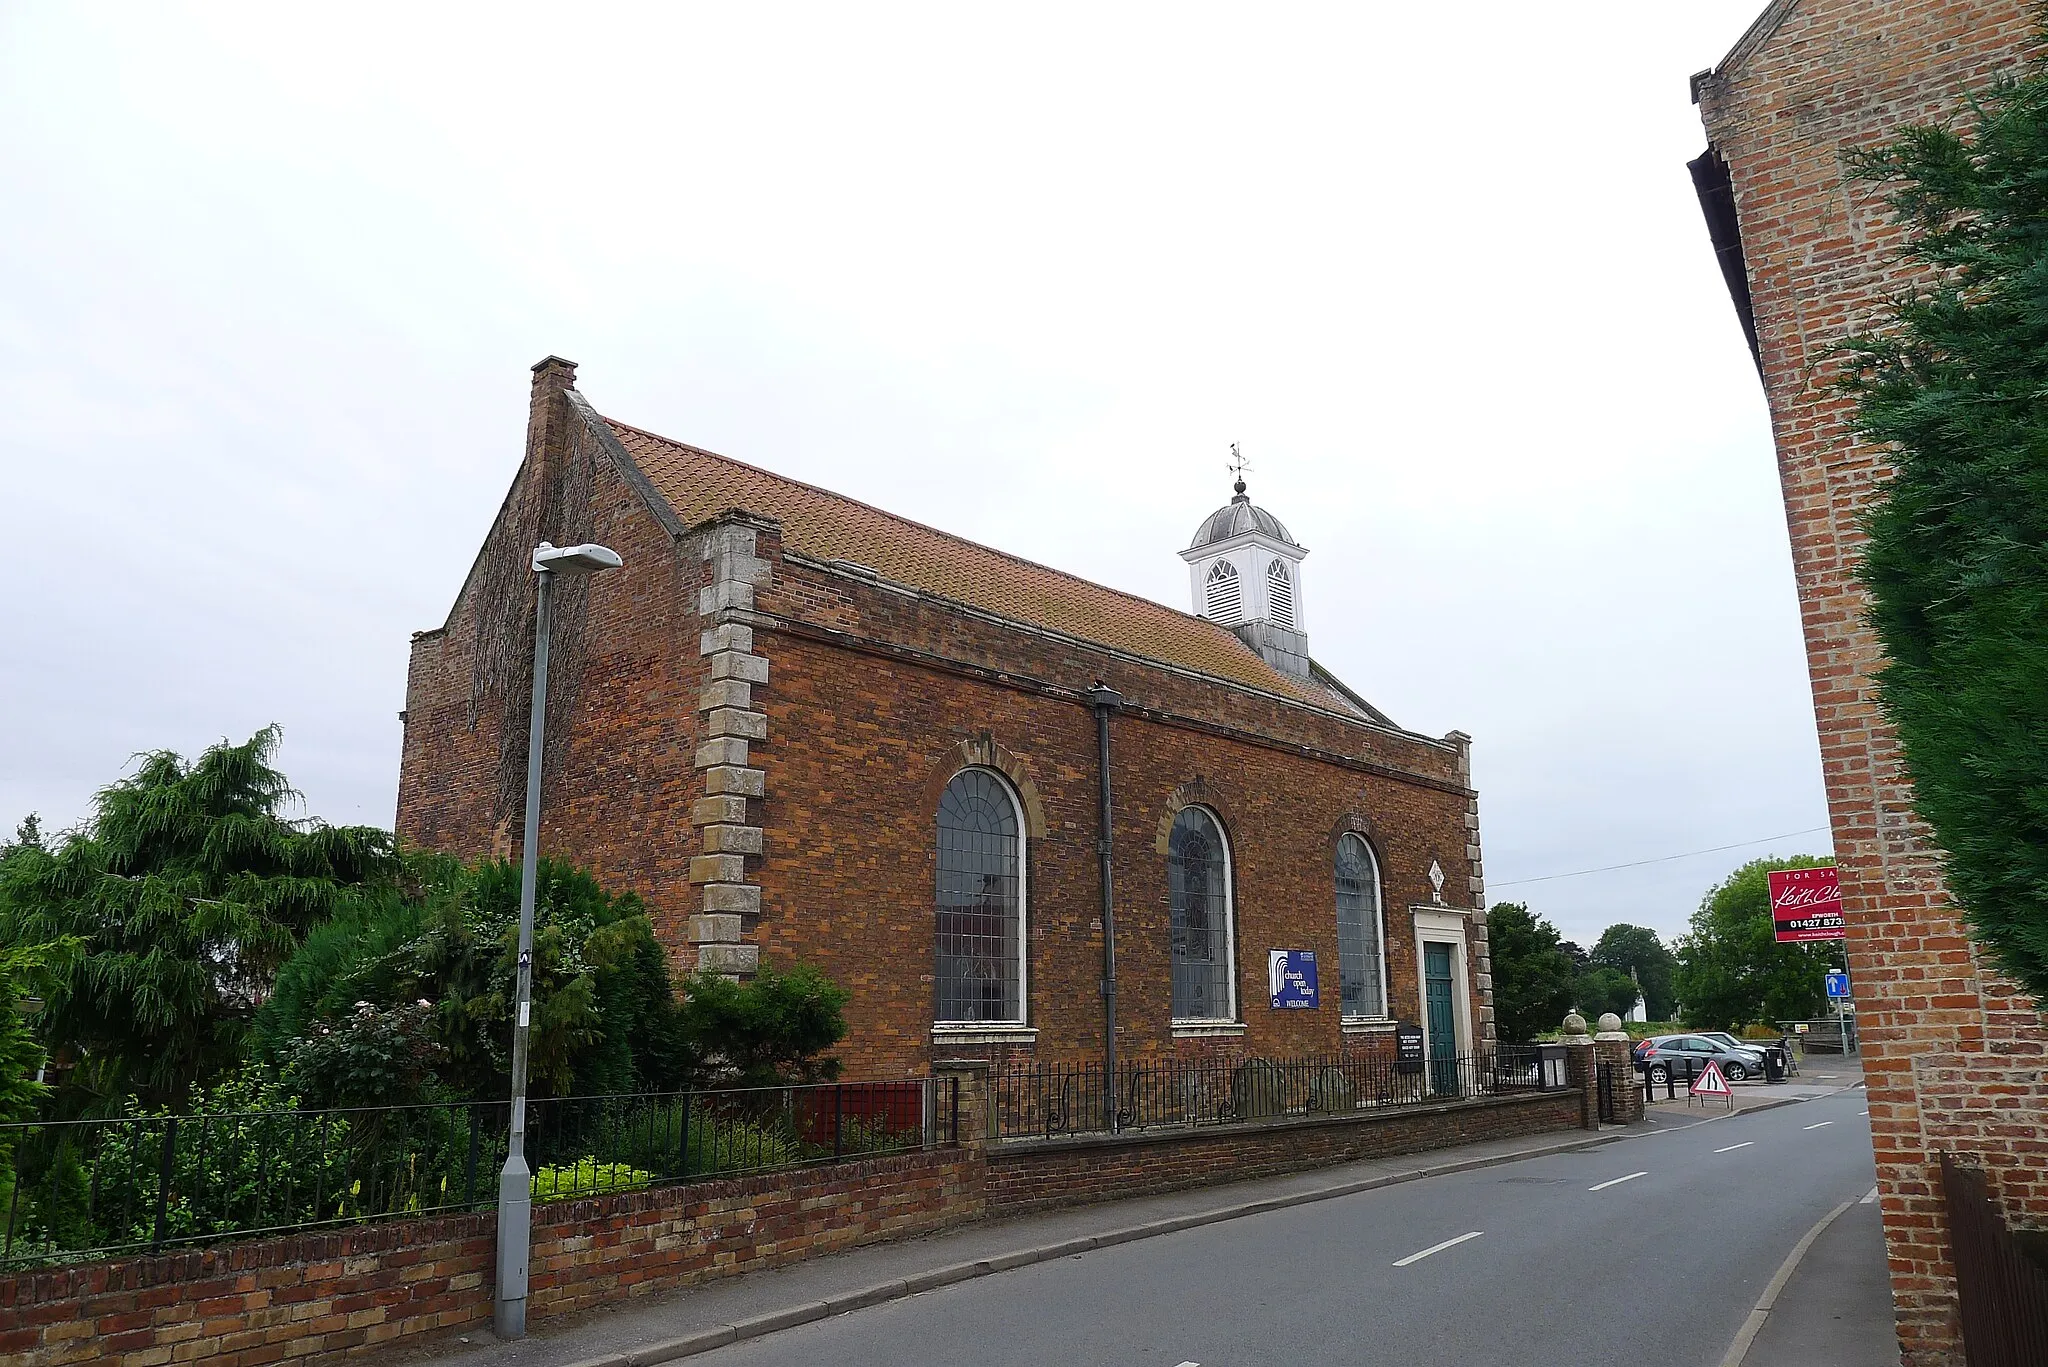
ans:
x=1237 y=466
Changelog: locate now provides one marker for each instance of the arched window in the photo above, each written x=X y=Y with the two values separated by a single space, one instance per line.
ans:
x=1222 y=596
x=981 y=901
x=1361 y=964
x=1198 y=882
x=1279 y=594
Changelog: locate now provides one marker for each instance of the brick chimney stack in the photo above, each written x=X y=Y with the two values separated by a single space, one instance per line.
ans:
x=547 y=421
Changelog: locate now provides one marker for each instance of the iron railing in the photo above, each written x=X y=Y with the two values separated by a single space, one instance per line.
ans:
x=2003 y=1292
x=1054 y=1099
x=92 y=1188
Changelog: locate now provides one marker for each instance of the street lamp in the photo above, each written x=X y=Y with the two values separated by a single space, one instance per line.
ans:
x=515 y=1183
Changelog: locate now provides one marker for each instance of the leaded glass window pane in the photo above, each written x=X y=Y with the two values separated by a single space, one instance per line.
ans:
x=1358 y=930
x=980 y=916
x=1198 y=882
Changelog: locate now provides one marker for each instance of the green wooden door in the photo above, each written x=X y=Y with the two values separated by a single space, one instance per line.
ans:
x=1443 y=1018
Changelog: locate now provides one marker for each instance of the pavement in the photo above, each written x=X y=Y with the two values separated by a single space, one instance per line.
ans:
x=1819 y=1075
x=1498 y=1252
x=1836 y=1309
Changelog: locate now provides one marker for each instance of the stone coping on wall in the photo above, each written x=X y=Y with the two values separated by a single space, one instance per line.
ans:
x=1269 y=1125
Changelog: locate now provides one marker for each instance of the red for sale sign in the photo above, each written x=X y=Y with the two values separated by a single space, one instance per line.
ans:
x=1806 y=904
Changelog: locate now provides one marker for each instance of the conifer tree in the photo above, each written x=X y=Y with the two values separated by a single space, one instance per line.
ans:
x=183 y=894
x=1957 y=562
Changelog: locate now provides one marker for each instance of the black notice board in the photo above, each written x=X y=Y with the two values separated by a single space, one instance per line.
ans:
x=1407 y=1047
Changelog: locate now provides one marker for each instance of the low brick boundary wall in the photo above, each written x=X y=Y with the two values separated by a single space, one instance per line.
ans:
x=1034 y=1174
x=349 y=1292
x=589 y=1252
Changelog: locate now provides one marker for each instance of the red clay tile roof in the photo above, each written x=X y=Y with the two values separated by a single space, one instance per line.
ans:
x=827 y=526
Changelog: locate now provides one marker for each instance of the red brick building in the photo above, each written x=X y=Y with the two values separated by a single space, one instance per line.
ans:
x=1957 y=1058
x=805 y=729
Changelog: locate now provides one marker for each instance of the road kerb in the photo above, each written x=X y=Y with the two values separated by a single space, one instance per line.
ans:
x=756 y=1325
x=1752 y=1326
x=847 y=1301
x=937 y=1277
x=689 y=1345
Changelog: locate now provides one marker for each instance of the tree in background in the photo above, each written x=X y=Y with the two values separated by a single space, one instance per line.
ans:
x=1600 y=990
x=1534 y=981
x=1957 y=562
x=1637 y=950
x=185 y=891
x=1733 y=972
x=27 y=836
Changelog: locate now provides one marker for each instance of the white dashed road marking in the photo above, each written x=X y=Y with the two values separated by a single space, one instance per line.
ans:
x=1868 y=1197
x=1615 y=1182
x=1823 y=1125
x=1733 y=1147
x=1438 y=1248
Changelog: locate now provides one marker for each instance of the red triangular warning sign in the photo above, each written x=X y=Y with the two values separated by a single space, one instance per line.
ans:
x=1711 y=1083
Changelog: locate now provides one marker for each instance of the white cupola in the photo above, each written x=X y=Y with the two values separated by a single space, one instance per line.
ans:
x=1245 y=572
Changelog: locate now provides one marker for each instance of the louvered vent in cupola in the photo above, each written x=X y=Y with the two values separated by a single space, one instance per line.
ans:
x=1222 y=597
x=1279 y=594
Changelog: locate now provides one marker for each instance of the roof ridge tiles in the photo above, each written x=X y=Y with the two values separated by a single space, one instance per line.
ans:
x=1011 y=556
x=693 y=483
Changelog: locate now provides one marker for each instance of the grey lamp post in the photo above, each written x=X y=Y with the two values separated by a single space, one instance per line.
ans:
x=515 y=1183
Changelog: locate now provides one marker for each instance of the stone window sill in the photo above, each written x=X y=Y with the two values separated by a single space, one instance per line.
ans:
x=1207 y=1029
x=1377 y=1025
x=975 y=1033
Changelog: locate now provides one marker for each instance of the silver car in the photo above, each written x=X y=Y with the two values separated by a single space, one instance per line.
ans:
x=1665 y=1056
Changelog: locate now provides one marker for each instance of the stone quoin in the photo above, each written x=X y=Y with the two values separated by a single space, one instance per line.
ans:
x=804 y=729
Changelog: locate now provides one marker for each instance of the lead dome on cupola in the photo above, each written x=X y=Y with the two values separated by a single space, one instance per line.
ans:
x=1237 y=517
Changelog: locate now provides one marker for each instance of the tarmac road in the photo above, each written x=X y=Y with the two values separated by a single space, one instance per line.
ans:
x=1644 y=1253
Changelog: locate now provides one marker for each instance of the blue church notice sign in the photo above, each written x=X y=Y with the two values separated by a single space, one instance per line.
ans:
x=1292 y=974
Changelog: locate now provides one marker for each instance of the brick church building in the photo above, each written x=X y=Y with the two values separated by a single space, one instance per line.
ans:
x=804 y=729
x=1955 y=1054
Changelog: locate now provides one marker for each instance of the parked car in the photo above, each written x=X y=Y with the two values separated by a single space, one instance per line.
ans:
x=1666 y=1056
x=1758 y=1045
x=1720 y=1036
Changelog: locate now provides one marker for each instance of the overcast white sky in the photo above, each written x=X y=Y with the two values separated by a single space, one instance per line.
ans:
x=270 y=284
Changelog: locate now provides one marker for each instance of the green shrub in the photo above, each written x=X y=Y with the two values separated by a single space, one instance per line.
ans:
x=862 y=1135
x=745 y=1146
x=586 y=1177
x=412 y=995
x=772 y=1029
x=705 y=1142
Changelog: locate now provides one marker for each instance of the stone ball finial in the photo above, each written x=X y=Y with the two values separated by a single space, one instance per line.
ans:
x=1609 y=1023
x=1574 y=1024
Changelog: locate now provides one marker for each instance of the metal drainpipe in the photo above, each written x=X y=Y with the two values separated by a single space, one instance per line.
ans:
x=1106 y=700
